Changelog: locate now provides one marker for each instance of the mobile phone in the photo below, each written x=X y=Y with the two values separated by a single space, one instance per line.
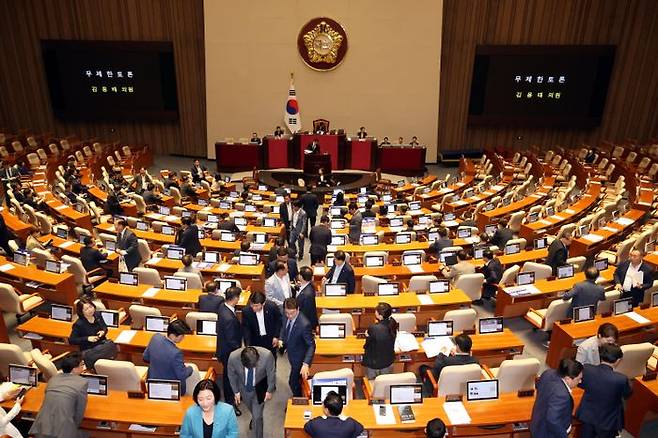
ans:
x=382 y=410
x=22 y=392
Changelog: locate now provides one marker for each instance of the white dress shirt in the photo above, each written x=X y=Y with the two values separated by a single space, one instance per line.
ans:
x=285 y=285
x=632 y=276
x=260 y=317
x=337 y=271
x=246 y=373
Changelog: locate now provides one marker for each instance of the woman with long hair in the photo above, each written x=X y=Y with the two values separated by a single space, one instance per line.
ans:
x=379 y=353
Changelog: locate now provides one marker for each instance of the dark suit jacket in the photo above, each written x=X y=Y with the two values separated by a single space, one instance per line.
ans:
x=300 y=344
x=228 y=225
x=585 y=293
x=443 y=361
x=310 y=204
x=306 y=302
x=229 y=333
x=345 y=276
x=493 y=273
x=602 y=403
x=557 y=255
x=355 y=227
x=210 y=303
x=91 y=258
x=129 y=244
x=168 y=183
x=333 y=427
x=320 y=238
x=441 y=244
x=189 y=239
x=283 y=215
x=195 y=173
x=293 y=271
x=272 y=316
x=165 y=361
x=379 y=349
x=501 y=236
x=551 y=413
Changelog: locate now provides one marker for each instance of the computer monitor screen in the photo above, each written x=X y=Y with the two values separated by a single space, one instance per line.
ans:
x=262 y=187
x=335 y=211
x=322 y=387
x=369 y=239
x=142 y=226
x=249 y=208
x=601 y=264
x=396 y=222
x=490 y=325
x=186 y=214
x=175 y=283
x=385 y=289
x=583 y=229
x=439 y=328
x=213 y=218
x=565 y=271
x=279 y=199
x=168 y=231
x=450 y=260
x=406 y=394
x=163 y=389
x=439 y=286
x=329 y=260
x=338 y=239
x=222 y=284
x=414 y=206
x=61 y=312
x=332 y=330
x=372 y=261
x=210 y=257
x=156 y=324
x=269 y=222
x=96 y=384
x=482 y=390
x=464 y=233
x=62 y=233
x=550 y=211
x=240 y=221
x=490 y=229
x=513 y=248
x=540 y=243
x=524 y=278
x=21 y=258
x=23 y=375
x=337 y=224
x=128 y=278
x=81 y=239
x=584 y=313
x=53 y=266
x=164 y=210
x=275 y=209
x=206 y=327
x=335 y=289
x=227 y=236
x=622 y=306
x=248 y=259
x=110 y=245
x=225 y=205
x=478 y=252
x=432 y=236
x=202 y=202
x=449 y=217
x=111 y=318
x=386 y=197
x=412 y=259
x=402 y=238
x=175 y=253
x=532 y=217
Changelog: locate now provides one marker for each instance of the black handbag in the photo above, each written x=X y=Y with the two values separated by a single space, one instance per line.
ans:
x=105 y=350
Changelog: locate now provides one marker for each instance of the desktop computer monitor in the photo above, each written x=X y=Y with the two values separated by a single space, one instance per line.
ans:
x=157 y=389
x=482 y=390
x=334 y=330
x=439 y=328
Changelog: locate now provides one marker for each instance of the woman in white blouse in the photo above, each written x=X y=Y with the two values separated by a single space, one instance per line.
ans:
x=8 y=391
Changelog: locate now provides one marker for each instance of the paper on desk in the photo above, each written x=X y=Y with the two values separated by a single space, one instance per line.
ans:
x=331 y=248
x=6 y=267
x=625 y=221
x=223 y=267
x=570 y=211
x=560 y=216
x=66 y=244
x=318 y=270
x=545 y=222
x=459 y=203
x=150 y=292
x=456 y=413
x=497 y=187
x=34 y=336
x=612 y=230
x=171 y=218
x=61 y=207
x=527 y=289
x=637 y=317
x=256 y=246
x=450 y=224
x=416 y=269
x=125 y=337
x=405 y=341
x=387 y=418
x=154 y=261
x=425 y=300
x=395 y=229
x=593 y=237
x=140 y=428
x=439 y=344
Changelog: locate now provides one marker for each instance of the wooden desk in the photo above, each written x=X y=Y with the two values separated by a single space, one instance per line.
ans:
x=604 y=237
x=58 y=288
x=485 y=196
x=410 y=187
x=643 y=401
x=68 y=214
x=434 y=195
x=17 y=226
x=129 y=208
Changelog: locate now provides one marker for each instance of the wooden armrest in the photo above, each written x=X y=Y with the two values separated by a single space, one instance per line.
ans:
x=487 y=370
x=211 y=374
x=367 y=389
x=60 y=357
x=306 y=389
x=531 y=310
x=435 y=385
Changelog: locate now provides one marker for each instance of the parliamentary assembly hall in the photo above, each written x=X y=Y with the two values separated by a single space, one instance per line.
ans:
x=338 y=219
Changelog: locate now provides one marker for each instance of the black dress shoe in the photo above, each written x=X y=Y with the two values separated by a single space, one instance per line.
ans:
x=237 y=410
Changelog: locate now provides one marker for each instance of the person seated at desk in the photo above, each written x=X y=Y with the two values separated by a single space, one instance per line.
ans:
x=400 y=140
x=212 y=299
x=414 y=141
x=362 y=133
x=633 y=277
x=442 y=242
x=601 y=409
x=278 y=132
x=165 y=359
x=340 y=200
x=341 y=272
x=171 y=181
x=332 y=424
x=459 y=355
x=379 y=348
x=313 y=147
x=113 y=206
x=324 y=180
x=588 y=350
x=71 y=197
x=188 y=237
x=385 y=142
x=585 y=293
x=368 y=212
x=558 y=251
x=217 y=183
x=436 y=428
x=198 y=172
x=64 y=403
x=209 y=417
x=141 y=181
x=227 y=224
x=502 y=235
x=91 y=257
x=31 y=242
x=89 y=332
x=254 y=138
x=151 y=195
x=187 y=267
x=245 y=247
x=187 y=190
x=8 y=391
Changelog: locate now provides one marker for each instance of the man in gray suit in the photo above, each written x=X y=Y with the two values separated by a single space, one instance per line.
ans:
x=252 y=375
x=278 y=285
x=297 y=229
x=585 y=293
x=65 y=402
x=462 y=267
x=355 y=223
x=127 y=244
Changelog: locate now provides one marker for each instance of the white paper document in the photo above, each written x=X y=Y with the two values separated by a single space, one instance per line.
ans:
x=439 y=344
x=140 y=428
x=625 y=221
x=612 y=230
x=545 y=222
x=154 y=261
x=66 y=244
x=425 y=300
x=150 y=292
x=223 y=267
x=387 y=418
x=593 y=237
x=6 y=267
x=405 y=341
x=570 y=211
x=125 y=337
x=61 y=207
x=526 y=289
x=450 y=224
x=456 y=413
x=416 y=269
x=637 y=317
x=318 y=270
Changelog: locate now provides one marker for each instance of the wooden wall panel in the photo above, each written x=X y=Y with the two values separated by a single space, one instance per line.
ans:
x=24 y=99
x=631 y=25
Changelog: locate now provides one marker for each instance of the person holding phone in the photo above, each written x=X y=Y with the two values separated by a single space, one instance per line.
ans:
x=8 y=391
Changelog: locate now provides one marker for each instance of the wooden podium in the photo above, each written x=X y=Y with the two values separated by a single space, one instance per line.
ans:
x=314 y=162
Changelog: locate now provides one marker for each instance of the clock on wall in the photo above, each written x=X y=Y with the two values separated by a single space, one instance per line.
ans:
x=322 y=43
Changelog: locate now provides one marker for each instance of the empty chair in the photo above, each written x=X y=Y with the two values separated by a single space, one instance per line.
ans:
x=33 y=160
x=541 y=270
x=41 y=256
x=421 y=283
x=509 y=276
x=12 y=354
x=121 y=375
x=515 y=219
x=11 y=302
x=45 y=363
x=621 y=255
x=144 y=250
x=139 y=203
x=344 y=318
x=406 y=321
x=515 y=374
x=577 y=262
x=138 y=313
x=342 y=373
x=193 y=279
x=383 y=254
x=471 y=285
x=543 y=319
x=44 y=223
x=520 y=241
x=79 y=231
x=634 y=362
x=369 y=283
x=148 y=276
x=379 y=389
x=462 y=319
x=192 y=317
x=453 y=379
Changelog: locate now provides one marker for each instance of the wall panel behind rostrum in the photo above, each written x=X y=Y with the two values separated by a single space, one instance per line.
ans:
x=24 y=99
x=631 y=25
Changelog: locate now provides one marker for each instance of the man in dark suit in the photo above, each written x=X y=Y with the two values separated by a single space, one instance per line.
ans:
x=493 y=273
x=551 y=413
x=442 y=242
x=306 y=296
x=332 y=424
x=254 y=138
x=558 y=252
x=320 y=237
x=283 y=255
x=211 y=300
x=368 y=209
x=313 y=147
x=341 y=272
x=310 y=204
x=127 y=244
x=141 y=181
x=585 y=293
x=280 y=242
x=633 y=277
x=297 y=338
x=5 y=236
x=261 y=322
x=285 y=212
x=355 y=223
x=171 y=181
x=298 y=229
x=460 y=355
x=229 y=338
x=151 y=195
x=362 y=133
x=8 y=175
x=227 y=224
x=165 y=359
x=198 y=172
x=502 y=235
x=601 y=409
x=91 y=257
x=188 y=237
x=278 y=132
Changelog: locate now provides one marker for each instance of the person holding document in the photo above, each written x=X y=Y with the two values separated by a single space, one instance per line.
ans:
x=313 y=147
x=633 y=277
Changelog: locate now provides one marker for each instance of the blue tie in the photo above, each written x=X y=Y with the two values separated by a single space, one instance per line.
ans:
x=250 y=380
x=288 y=328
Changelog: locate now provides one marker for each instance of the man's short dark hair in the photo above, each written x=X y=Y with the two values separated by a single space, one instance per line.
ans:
x=569 y=368
x=245 y=245
x=464 y=342
x=187 y=260
x=279 y=266
x=306 y=273
x=282 y=251
x=352 y=206
x=290 y=303
x=187 y=221
x=297 y=203
x=249 y=357
x=232 y=293
x=72 y=360
x=210 y=287
x=442 y=231
x=435 y=428
x=608 y=330
x=334 y=403
x=121 y=222
x=178 y=327
x=487 y=254
x=340 y=255
x=87 y=240
x=591 y=273
x=503 y=223
x=324 y=219
x=610 y=353
x=369 y=204
x=257 y=298
x=461 y=255
x=150 y=186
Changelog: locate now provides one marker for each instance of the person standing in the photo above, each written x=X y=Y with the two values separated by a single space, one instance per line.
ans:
x=379 y=349
x=355 y=223
x=588 y=350
x=297 y=338
x=493 y=273
x=127 y=245
x=188 y=237
x=65 y=401
x=285 y=212
x=252 y=373
x=297 y=229
x=320 y=237
x=229 y=338
x=306 y=296
x=558 y=252
x=502 y=235
x=585 y=293
x=310 y=204
x=261 y=322
x=633 y=277
x=552 y=411
x=601 y=409
x=278 y=286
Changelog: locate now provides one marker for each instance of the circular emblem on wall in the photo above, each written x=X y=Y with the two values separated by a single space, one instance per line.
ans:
x=322 y=43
